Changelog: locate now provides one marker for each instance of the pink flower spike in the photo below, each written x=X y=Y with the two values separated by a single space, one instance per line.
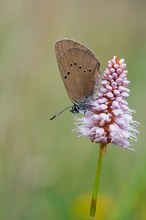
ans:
x=108 y=119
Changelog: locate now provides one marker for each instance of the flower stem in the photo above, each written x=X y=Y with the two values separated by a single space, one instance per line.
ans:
x=102 y=149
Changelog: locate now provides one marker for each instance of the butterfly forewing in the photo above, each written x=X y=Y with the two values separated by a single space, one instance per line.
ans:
x=79 y=70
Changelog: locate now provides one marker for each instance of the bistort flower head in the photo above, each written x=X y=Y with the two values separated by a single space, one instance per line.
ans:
x=109 y=119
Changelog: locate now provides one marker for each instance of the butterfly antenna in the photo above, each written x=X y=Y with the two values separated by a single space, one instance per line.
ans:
x=54 y=116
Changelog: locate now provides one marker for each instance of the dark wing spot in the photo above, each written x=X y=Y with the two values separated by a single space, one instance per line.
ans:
x=89 y=70
x=68 y=73
x=71 y=64
x=75 y=63
x=65 y=77
x=80 y=67
x=84 y=71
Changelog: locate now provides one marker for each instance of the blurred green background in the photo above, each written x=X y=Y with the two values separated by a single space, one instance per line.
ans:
x=46 y=172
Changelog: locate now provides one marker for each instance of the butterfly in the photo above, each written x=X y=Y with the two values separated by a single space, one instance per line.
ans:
x=79 y=69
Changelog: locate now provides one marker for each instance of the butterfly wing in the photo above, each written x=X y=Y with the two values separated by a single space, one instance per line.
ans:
x=79 y=70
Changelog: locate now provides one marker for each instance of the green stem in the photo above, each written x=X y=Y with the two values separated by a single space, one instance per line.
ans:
x=96 y=182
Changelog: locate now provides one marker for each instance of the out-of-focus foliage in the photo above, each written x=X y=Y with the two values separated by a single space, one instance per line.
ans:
x=44 y=167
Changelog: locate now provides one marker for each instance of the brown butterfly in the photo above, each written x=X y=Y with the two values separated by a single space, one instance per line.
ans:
x=79 y=69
